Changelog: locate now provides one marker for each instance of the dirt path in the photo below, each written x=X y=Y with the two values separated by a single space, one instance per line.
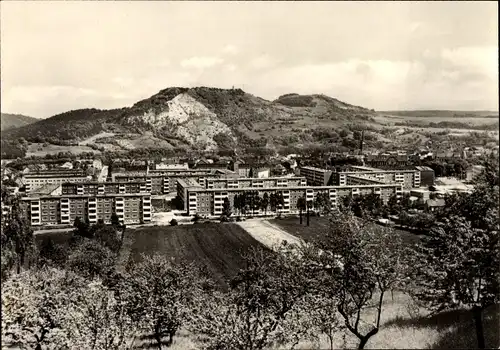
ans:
x=267 y=233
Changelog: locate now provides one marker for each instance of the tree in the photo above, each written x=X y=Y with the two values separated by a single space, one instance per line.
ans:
x=322 y=202
x=356 y=264
x=226 y=208
x=115 y=221
x=301 y=205
x=82 y=228
x=107 y=236
x=237 y=203
x=273 y=202
x=100 y=319
x=37 y=308
x=280 y=200
x=91 y=259
x=324 y=317
x=308 y=205
x=18 y=237
x=261 y=298
x=457 y=263
x=51 y=253
x=264 y=203
x=159 y=294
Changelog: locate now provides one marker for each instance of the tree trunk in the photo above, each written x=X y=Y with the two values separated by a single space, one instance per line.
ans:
x=158 y=340
x=300 y=216
x=307 y=217
x=330 y=338
x=365 y=339
x=478 y=320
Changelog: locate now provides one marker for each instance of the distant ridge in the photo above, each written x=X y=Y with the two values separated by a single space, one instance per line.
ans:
x=9 y=121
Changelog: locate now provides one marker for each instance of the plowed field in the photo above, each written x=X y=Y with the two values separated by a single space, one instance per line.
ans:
x=218 y=247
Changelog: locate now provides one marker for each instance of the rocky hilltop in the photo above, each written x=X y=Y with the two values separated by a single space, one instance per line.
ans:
x=200 y=117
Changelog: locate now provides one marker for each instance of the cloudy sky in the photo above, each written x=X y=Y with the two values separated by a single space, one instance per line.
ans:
x=58 y=56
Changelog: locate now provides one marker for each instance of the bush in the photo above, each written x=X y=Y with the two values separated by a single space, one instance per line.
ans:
x=173 y=222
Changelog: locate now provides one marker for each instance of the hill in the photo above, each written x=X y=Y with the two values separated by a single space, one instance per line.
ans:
x=201 y=117
x=10 y=121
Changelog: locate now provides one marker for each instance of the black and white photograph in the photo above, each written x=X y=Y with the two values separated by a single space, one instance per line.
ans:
x=249 y=175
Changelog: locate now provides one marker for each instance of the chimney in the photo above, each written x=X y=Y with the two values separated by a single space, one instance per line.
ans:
x=361 y=142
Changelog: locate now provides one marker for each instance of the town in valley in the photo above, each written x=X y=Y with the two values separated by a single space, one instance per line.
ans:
x=310 y=183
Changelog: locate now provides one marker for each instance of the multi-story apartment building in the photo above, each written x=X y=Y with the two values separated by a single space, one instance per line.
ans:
x=64 y=209
x=249 y=170
x=104 y=187
x=209 y=201
x=427 y=175
x=36 y=180
x=255 y=182
x=165 y=181
x=407 y=178
x=316 y=176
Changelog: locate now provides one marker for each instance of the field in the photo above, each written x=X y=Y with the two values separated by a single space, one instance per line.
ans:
x=457 y=121
x=39 y=150
x=319 y=225
x=218 y=247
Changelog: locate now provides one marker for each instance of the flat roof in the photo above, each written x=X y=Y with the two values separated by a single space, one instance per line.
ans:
x=45 y=189
x=54 y=175
x=262 y=179
x=354 y=175
x=379 y=171
x=86 y=196
x=384 y=185
x=143 y=174
x=315 y=168
x=189 y=183
x=363 y=167
x=104 y=183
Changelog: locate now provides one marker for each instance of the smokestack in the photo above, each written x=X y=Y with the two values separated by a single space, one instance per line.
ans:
x=361 y=142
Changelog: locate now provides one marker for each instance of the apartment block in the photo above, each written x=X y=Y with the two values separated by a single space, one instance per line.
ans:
x=427 y=175
x=64 y=209
x=209 y=201
x=165 y=181
x=95 y=188
x=256 y=183
x=407 y=178
x=34 y=181
x=316 y=176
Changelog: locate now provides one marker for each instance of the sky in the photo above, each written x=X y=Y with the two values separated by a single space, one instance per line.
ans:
x=59 y=56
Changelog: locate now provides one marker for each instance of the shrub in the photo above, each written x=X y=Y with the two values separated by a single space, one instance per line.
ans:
x=173 y=222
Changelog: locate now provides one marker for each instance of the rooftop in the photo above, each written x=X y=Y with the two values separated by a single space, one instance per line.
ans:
x=44 y=190
x=191 y=183
x=382 y=185
x=314 y=168
x=58 y=174
x=30 y=197
x=364 y=168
